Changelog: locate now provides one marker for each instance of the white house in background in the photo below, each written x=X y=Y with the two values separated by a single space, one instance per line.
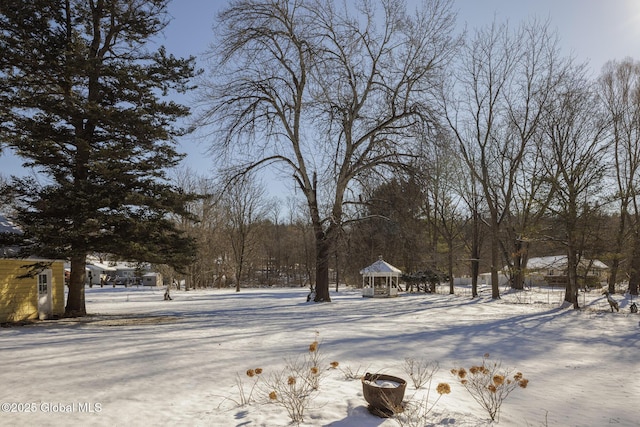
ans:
x=99 y=271
x=553 y=270
x=380 y=280
x=113 y=272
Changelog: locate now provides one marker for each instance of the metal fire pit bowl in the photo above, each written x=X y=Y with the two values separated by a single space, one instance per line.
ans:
x=383 y=393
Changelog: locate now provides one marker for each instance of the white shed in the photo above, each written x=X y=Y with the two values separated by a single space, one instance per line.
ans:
x=380 y=279
x=152 y=279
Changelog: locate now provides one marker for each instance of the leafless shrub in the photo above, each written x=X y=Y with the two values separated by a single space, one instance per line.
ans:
x=351 y=374
x=416 y=412
x=245 y=393
x=489 y=384
x=291 y=391
x=420 y=370
x=294 y=386
x=246 y=396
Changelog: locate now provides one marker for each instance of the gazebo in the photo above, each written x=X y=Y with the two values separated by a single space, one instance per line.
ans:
x=380 y=280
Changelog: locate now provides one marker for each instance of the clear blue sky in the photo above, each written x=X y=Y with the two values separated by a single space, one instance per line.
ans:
x=593 y=30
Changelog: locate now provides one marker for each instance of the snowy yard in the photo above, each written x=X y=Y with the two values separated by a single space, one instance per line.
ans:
x=140 y=360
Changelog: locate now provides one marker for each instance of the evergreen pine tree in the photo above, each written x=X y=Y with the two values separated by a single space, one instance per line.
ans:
x=82 y=101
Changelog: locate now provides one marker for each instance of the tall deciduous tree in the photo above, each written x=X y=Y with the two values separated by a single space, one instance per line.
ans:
x=245 y=207
x=82 y=98
x=500 y=91
x=327 y=90
x=575 y=145
x=445 y=176
x=620 y=93
x=476 y=116
x=207 y=230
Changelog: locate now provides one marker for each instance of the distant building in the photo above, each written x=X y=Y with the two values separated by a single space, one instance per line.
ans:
x=113 y=273
x=152 y=279
x=552 y=270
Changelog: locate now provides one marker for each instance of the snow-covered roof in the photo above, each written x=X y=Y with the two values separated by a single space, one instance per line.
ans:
x=101 y=265
x=151 y=274
x=6 y=226
x=380 y=268
x=110 y=265
x=560 y=262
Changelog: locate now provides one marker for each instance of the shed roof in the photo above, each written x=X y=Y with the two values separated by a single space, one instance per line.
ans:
x=380 y=268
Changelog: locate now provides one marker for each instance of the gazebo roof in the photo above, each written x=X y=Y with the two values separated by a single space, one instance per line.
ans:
x=381 y=268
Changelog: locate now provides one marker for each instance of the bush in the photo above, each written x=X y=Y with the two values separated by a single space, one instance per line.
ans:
x=489 y=384
x=416 y=412
x=420 y=371
x=292 y=387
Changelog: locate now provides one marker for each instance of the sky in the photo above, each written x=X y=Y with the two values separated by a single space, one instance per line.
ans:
x=592 y=30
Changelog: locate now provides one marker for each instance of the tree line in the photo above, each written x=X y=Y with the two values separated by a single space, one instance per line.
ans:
x=501 y=131
x=461 y=152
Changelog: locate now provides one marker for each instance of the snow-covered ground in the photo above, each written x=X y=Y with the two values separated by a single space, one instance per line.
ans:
x=142 y=361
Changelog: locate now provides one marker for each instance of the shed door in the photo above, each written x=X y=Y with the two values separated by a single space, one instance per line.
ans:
x=44 y=295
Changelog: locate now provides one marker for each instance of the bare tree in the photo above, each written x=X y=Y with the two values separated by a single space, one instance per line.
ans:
x=245 y=208
x=620 y=92
x=452 y=222
x=487 y=66
x=523 y=225
x=475 y=202
x=575 y=166
x=540 y=69
x=495 y=109
x=206 y=230
x=444 y=206
x=302 y=243
x=326 y=92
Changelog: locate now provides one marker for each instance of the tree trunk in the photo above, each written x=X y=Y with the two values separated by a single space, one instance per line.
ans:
x=475 y=251
x=495 y=259
x=613 y=274
x=615 y=263
x=238 y=274
x=571 y=290
x=337 y=271
x=518 y=276
x=323 y=247
x=75 y=299
x=240 y=263
x=323 y=241
x=450 y=268
x=634 y=267
x=518 y=266
x=475 y=269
